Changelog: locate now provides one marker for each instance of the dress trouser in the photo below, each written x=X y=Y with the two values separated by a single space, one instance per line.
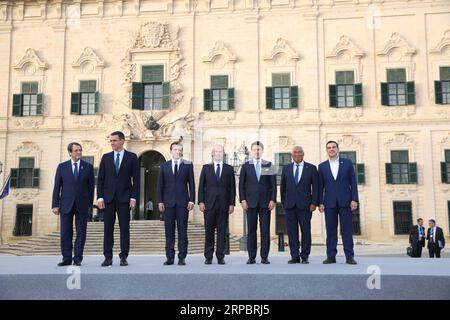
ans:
x=294 y=218
x=346 y=221
x=252 y=225
x=67 y=234
x=109 y=219
x=215 y=219
x=178 y=216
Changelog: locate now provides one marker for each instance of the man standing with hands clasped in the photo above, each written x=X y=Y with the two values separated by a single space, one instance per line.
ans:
x=338 y=197
x=118 y=186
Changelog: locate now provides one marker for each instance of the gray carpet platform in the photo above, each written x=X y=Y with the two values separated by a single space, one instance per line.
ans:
x=38 y=277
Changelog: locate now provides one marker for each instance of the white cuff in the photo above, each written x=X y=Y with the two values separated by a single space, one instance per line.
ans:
x=132 y=199
x=100 y=200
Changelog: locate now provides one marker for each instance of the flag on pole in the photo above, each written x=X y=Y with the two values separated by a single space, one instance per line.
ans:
x=5 y=190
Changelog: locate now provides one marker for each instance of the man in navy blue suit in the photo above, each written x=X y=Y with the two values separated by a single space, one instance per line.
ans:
x=118 y=186
x=300 y=196
x=258 y=194
x=338 y=197
x=216 y=199
x=176 y=197
x=73 y=195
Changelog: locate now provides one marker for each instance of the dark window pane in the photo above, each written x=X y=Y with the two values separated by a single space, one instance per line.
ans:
x=345 y=77
x=26 y=162
x=444 y=73
x=281 y=159
x=88 y=85
x=89 y=159
x=402 y=217
x=399 y=156
x=153 y=74
x=30 y=87
x=396 y=75
x=447 y=155
x=348 y=155
x=219 y=82
x=24 y=221
x=281 y=79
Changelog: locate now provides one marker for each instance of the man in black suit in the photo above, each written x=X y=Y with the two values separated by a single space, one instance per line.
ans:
x=300 y=196
x=118 y=186
x=436 y=239
x=73 y=195
x=176 y=197
x=216 y=199
x=417 y=238
x=258 y=194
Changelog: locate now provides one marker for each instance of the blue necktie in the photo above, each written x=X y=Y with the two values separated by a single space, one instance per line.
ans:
x=218 y=172
x=431 y=236
x=117 y=163
x=75 y=171
x=258 y=170
x=296 y=174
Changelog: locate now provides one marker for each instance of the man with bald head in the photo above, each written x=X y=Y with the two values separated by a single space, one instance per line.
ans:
x=216 y=199
x=300 y=196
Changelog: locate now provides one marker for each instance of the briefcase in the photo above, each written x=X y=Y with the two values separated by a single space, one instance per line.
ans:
x=409 y=251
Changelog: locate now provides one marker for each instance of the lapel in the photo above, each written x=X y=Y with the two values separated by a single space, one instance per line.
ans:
x=124 y=160
x=70 y=172
x=293 y=173
x=340 y=169
x=180 y=167
x=253 y=170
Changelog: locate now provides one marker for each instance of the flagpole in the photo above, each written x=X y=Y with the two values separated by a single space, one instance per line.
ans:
x=1 y=212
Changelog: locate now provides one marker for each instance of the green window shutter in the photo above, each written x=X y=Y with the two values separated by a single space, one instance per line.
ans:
x=293 y=97
x=14 y=182
x=358 y=94
x=39 y=104
x=438 y=92
x=361 y=173
x=388 y=173
x=231 y=99
x=384 y=94
x=75 y=103
x=410 y=93
x=166 y=95
x=269 y=97
x=137 y=96
x=412 y=171
x=97 y=101
x=332 y=91
x=36 y=178
x=17 y=105
x=207 y=99
x=444 y=177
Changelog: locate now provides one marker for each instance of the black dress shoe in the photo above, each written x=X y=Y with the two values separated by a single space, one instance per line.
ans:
x=220 y=261
x=181 y=262
x=305 y=261
x=77 y=263
x=65 y=263
x=292 y=261
x=265 y=261
x=123 y=262
x=168 y=262
x=350 y=260
x=107 y=263
x=251 y=261
x=329 y=260
x=208 y=261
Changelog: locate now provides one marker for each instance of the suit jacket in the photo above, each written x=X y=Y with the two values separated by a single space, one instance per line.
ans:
x=414 y=236
x=254 y=192
x=439 y=236
x=210 y=190
x=124 y=185
x=176 y=191
x=305 y=193
x=340 y=192
x=66 y=192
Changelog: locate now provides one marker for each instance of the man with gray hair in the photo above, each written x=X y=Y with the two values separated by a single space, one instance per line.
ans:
x=300 y=196
x=216 y=199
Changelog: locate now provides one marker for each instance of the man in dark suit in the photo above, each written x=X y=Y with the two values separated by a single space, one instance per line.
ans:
x=417 y=239
x=118 y=186
x=338 y=197
x=176 y=197
x=258 y=194
x=216 y=199
x=300 y=196
x=436 y=239
x=73 y=195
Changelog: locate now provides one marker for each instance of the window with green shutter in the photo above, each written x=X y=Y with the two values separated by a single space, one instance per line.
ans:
x=152 y=93
x=281 y=159
x=402 y=217
x=345 y=93
x=29 y=101
x=26 y=176
x=281 y=95
x=442 y=87
x=397 y=91
x=90 y=160
x=358 y=167
x=86 y=100
x=445 y=167
x=219 y=97
x=400 y=170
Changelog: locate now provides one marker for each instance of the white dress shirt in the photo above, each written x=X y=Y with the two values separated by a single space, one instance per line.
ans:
x=300 y=170
x=73 y=166
x=334 y=166
x=434 y=234
x=173 y=165
x=220 y=166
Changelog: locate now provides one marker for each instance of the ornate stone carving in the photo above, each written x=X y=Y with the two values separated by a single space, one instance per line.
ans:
x=29 y=123
x=27 y=147
x=346 y=114
x=349 y=141
x=443 y=114
x=30 y=62
x=25 y=195
x=285 y=142
x=445 y=139
x=346 y=44
x=443 y=47
x=399 y=112
x=401 y=139
x=397 y=41
x=90 y=147
x=220 y=49
x=86 y=58
x=402 y=193
x=282 y=47
x=87 y=121
x=153 y=35
x=219 y=117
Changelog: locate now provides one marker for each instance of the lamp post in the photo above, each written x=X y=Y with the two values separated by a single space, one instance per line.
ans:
x=239 y=158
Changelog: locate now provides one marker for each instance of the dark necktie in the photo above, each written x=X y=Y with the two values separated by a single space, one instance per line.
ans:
x=75 y=171
x=296 y=174
x=175 y=171
x=218 y=172
x=117 y=163
x=431 y=235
